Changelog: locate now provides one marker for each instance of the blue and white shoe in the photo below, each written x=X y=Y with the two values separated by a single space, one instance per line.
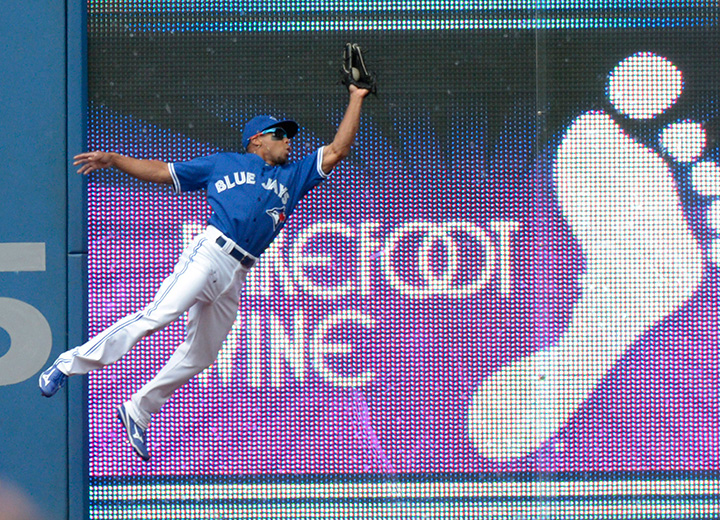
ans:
x=135 y=434
x=51 y=381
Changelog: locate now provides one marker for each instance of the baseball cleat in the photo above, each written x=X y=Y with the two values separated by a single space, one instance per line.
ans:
x=135 y=434
x=51 y=381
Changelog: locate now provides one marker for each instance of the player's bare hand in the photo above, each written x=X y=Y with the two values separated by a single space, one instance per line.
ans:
x=91 y=161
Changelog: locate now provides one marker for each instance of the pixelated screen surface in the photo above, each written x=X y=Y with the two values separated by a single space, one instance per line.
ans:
x=507 y=291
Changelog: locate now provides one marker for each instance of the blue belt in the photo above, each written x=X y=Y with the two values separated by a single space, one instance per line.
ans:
x=245 y=260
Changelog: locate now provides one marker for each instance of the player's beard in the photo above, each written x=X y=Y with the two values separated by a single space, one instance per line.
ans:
x=283 y=158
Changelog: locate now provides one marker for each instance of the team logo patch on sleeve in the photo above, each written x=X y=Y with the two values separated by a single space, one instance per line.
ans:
x=278 y=216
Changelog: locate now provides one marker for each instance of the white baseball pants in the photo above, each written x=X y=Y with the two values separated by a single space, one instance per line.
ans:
x=206 y=282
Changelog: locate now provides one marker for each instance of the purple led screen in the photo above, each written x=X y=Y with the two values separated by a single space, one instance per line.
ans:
x=515 y=270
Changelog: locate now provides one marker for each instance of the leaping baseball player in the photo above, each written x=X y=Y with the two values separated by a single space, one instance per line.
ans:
x=251 y=195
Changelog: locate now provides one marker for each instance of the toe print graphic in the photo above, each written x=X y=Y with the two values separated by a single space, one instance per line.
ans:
x=685 y=142
x=705 y=180
x=642 y=262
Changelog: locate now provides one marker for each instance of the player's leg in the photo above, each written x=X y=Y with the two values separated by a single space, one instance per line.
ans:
x=207 y=328
x=209 y=321
x=208 y=325
x=187 y=284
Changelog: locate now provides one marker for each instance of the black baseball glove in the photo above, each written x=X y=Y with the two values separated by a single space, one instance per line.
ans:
x=353 y=70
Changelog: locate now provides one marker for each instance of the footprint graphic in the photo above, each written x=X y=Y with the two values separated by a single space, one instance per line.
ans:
x=642 y=260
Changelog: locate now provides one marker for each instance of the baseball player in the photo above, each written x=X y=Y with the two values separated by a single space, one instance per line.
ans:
x=251 y=196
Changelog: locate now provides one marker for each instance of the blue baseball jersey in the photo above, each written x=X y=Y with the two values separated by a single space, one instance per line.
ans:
x=250 y=199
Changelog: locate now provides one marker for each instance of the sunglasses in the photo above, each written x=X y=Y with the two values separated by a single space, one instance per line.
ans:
x=277 y=133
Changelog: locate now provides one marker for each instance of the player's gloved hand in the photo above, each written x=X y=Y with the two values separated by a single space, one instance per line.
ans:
x=353 y=70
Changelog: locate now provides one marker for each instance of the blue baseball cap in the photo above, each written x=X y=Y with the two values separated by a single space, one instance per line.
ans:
x=261 y=123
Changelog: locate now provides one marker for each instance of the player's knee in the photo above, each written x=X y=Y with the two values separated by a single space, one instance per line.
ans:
x=153 y=324
x=207 y=361
x=203 y=359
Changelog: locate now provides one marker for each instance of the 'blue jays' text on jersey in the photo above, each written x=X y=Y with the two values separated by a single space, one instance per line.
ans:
x=250 y=199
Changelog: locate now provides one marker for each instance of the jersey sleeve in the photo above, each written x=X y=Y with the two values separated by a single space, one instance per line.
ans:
x=192 y=175
x=311 y=173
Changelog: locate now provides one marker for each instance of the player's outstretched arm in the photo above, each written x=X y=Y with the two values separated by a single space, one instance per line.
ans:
x=345 y=136
x=147 y=170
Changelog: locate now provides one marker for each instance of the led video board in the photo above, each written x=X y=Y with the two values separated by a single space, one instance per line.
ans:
x=504 y=302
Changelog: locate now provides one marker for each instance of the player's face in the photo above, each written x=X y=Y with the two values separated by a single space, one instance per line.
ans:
x=276 y=145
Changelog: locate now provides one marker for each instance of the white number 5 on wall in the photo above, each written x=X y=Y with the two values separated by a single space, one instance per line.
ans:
x=29 y=331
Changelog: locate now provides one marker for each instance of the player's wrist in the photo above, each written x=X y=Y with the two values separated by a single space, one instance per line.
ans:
x=107 y=159
x=358 y=95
